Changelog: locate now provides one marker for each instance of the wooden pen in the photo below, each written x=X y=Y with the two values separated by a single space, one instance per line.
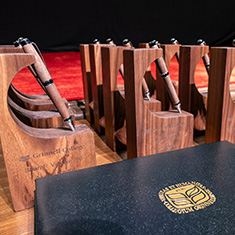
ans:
x=48 y=83
x=206 y=59
x=31 y=69
x=175 y=42
x=127 y=43
x=161 y=65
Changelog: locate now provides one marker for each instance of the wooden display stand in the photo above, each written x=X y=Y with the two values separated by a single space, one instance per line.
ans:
x=220 y=123
x=86 y=78
x=150 y=132
x=114 y=98
x=191 y=99
x=31 y=153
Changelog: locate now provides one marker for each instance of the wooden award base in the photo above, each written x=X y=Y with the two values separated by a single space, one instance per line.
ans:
x=150 y=132
x=30 y=153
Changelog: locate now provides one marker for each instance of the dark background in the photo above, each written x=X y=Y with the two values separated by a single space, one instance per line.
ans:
x=63 y=25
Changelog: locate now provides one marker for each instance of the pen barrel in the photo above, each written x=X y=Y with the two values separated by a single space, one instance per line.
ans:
x=145 y=87
x=177 y=55
x=121 y=70
x=47 y=81
x=171 y=90
x=206 y=61
x=161 y=65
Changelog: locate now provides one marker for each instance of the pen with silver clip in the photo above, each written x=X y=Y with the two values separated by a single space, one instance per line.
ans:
x=175 y=42
x=32 y=70
x=161 y=65
x=127 y=43
x=42 y=72
x=206 y=59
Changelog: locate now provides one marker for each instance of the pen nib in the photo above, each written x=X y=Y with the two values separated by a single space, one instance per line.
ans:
x=147 y=94
x=178 y=107
x=69 y=123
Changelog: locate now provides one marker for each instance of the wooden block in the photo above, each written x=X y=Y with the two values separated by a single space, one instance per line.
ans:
x=31 y=153
x=191 y=100
x=220 y=124
x=86 y=78
x=150 y=132
x=96 y=85
x=114 y=98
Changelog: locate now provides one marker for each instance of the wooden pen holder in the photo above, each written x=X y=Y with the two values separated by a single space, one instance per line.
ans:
x=31 y=153
x=220 y=123
x=150 y=132
x=191 y=99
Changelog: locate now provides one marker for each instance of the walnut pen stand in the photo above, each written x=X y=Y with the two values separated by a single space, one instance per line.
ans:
x=31 y=153
x=114 y=98
x=220 y=123
x=191 y=99
x=150 y=132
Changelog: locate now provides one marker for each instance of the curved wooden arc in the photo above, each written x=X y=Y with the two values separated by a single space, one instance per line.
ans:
x=150 y=132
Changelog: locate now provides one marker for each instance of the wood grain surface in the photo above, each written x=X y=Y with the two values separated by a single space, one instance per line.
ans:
x=22 y=222
x=221 y=107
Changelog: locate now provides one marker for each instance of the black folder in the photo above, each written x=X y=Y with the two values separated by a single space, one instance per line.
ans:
x=187 y=191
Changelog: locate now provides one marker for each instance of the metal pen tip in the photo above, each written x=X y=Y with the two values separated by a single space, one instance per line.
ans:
x=147 y=94
x=69 y=122
x=177 y=106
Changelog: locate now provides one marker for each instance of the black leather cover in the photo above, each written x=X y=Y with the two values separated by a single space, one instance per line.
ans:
x=123 y=197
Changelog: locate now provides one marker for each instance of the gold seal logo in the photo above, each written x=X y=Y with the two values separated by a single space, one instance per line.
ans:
x=186 y=197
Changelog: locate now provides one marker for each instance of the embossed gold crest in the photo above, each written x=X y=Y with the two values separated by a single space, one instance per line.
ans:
x=186 y=197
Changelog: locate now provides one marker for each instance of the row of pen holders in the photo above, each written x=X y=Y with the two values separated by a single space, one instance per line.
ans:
x=148 y=126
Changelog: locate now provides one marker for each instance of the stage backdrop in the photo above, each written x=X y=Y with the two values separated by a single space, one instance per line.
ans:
x=63 y=25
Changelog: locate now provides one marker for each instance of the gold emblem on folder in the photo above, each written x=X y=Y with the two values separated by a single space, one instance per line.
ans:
x=186 y=197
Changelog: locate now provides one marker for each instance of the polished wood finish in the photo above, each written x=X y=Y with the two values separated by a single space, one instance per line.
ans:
x=220 y=124
x=191 y=100
x=150 y=132
x=86 y=78
x=97 y=85
x=22 y=222
x=36 y=152
x=114 y=99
